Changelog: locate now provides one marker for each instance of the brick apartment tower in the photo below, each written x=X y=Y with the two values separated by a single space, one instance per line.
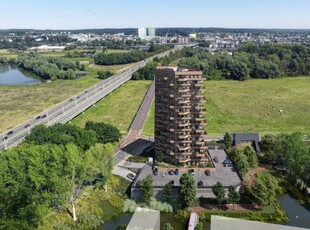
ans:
x=179 y=118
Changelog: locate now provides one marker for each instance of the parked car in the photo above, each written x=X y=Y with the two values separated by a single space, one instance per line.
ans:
x=200 y=183
x=216 y=159
x=131 y=176
x=155 y=171
x=38 y=117
x=171 y=172
x=4 y=138
x=27 y=126
x=44 y=116
x=207 y=172
x=171 y=182
x=191 y=171
x=227 y=161
x=176 y=172
x=10 y=132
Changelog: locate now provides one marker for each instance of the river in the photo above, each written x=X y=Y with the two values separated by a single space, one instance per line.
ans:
x=12 y=75
x=298 y=215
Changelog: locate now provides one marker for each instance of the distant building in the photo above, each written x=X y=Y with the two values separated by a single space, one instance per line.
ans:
x=151 y=32
x=142 y=33
x=193 y=36
x=179 y=119
x=183 y=40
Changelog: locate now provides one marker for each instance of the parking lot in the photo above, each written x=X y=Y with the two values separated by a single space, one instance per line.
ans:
x=226 y=175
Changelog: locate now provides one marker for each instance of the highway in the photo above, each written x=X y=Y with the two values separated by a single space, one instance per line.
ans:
x=70 y=108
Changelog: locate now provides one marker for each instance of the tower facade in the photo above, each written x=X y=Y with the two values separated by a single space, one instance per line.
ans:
x=179 y=119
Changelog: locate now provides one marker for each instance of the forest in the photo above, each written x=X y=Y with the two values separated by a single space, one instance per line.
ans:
x=51 y=169
x=250 y=61
x=49 y=68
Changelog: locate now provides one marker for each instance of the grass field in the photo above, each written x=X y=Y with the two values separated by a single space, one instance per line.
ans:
x=149 y=124
x=255 y=106
x=19 y=103
x=119 y=108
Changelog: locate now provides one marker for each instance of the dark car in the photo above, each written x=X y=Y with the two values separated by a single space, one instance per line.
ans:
x=10 y=132
x=4 y=138
x=155 y=171
x=191 y=171
x=208 y=173
x=216 y=159
x=38 y=117
x=71 y=100
x=176 y=172
x=27 y=126
x=171 y=182
x=227 y=161
x=44 y=116
x=200 y=183
x=171 y=172
x=131 y=176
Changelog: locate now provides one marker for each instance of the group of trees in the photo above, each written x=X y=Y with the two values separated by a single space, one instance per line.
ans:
x=290 y=152
x=105 y=132
x=48 y=171
x=146 y=73
x=104 y=74
x=104 y=58
x=47 y=67
x=251 y=61
x=219 y=192
x=244 y=158
x=22 y=43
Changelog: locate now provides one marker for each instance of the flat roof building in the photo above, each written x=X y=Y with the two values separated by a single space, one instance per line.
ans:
x=179 y=115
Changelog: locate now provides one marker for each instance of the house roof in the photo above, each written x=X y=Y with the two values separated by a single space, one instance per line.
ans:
x=239 y=138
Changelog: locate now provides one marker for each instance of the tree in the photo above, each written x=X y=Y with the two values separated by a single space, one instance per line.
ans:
x=199 y=226
x=48 y=177
x=147 y=191
x=187 y=190
x=233 y=196
x=106 y=133
x=168 y=226
x=167 y=193
x=266 y=145
x=159 y=156
x=219 y=192
x=228 y=140
x=251 y=156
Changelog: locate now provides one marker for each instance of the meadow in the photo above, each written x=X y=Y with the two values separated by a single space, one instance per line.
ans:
x=264 y=106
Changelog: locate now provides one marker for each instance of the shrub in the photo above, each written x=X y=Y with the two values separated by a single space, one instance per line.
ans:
x=182 y=216
x=130 y=206
x=160 y=206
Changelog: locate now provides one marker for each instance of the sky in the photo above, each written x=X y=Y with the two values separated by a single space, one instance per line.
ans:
x=89 y=14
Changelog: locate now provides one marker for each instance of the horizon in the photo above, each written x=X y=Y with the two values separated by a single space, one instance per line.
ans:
x=78 y=15
x=166 y=27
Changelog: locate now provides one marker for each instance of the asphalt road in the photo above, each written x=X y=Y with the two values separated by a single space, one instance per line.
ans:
x=70 y=108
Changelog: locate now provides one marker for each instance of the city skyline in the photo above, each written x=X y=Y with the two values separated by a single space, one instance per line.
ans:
x=35 y=14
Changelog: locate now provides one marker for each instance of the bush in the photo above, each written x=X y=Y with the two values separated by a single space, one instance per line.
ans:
x=168 y=226
x=182 y=216
x=130 y=206
x=160 y=206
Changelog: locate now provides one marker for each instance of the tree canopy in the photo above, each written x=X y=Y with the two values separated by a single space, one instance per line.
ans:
x=187 y=190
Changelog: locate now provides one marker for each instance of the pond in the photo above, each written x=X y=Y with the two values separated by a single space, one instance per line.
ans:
x=12 y=75
x=298 y=215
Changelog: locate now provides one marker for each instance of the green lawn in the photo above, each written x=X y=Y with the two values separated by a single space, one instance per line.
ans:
x=255 y=105
x=119 y=108
x=149 y=124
